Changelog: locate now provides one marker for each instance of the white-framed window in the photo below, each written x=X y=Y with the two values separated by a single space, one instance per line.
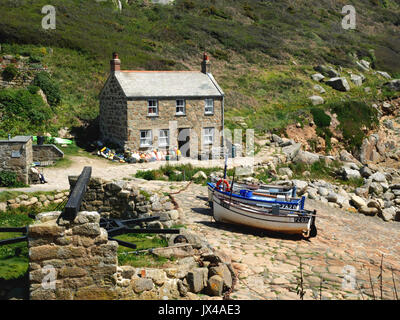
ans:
x=209 y=106
x=146 y=138
x=152 y=108
x=208 y=135
x=163 y=138
x=180 y=107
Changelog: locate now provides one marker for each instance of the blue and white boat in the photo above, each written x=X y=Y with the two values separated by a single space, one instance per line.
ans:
x=262 y=197
x=275 y=218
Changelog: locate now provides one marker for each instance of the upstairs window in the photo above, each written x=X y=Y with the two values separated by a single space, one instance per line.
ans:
x=180 y=107
x=152 y=108
x=209 y=106
x=146 y=139
x=163 y=139
x=208 y=135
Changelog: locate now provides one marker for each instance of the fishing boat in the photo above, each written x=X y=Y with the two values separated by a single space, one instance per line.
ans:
x=260 y=188
x=265 y=198
x=275 y=218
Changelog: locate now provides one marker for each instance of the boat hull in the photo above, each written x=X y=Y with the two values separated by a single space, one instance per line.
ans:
x=262 y=201
x=294 y=223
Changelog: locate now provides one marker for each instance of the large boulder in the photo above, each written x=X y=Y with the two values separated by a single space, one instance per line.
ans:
x=291 y=151
x=317 y=77
x=357 y=201
x=350 y=174
x=338 y=83
x=393 y=85
x=316 y=100
x=388 y=214
x=306 y=157
x=384 y=74
x=356 y=79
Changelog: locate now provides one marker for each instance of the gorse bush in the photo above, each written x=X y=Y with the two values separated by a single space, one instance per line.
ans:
x=321 y=119
x=9 y=73
x=49 y=87
x=9 y=179
x=353 y=116
x=22 y=112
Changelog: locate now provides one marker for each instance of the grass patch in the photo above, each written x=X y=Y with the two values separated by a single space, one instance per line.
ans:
x=143 y=242
x=14 y=258
x=183 y=172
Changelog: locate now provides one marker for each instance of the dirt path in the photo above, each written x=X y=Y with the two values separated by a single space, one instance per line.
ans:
x=57 y=178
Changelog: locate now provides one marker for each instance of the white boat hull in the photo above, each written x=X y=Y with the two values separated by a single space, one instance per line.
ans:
x=252 y=217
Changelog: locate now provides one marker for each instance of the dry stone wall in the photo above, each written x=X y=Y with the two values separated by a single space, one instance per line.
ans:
x=74 y=260
x=71 y=260
x=122 y=199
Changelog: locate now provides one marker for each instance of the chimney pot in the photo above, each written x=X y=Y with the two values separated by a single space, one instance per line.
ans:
x=115 y=63
x=205 y=65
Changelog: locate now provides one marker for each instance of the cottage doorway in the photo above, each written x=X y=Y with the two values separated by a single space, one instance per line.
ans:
x=184 y=141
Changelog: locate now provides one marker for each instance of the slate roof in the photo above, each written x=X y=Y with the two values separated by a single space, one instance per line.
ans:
x=168 y=84
x=18 y=139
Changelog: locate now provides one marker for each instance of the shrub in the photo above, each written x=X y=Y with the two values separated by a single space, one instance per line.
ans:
x=22 y=111
x=10 y=72
x=33 y=89
x=353 y=116
x=49 y=87
x=9 y=179
x=321 y=119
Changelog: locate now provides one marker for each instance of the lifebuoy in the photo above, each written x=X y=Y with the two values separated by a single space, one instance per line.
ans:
x=226 y=189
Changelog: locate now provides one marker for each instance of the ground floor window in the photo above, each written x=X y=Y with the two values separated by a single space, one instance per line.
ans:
x=208 y=135
x=146 y=139
x=163 y=139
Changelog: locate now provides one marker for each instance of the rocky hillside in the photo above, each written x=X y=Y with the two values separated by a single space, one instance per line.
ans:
x=276 y=60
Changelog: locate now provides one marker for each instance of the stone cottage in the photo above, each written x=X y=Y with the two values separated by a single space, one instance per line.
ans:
x=144 y=110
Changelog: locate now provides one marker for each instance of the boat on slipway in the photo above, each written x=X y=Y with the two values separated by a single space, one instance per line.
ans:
x=263 y=197
x=275 y=218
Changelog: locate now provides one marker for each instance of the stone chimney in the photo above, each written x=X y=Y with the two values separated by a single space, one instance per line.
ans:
x=206 y=65
x=115 y=63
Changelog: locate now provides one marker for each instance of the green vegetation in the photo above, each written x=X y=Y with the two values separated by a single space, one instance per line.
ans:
x=143 y=242
x=353 y=116
x=22 y=112
x=183 y=172
x=50 y=88
x=10 y=72
x=10 y=179
x=318 y=170
x=14 y=257
x=278 y=41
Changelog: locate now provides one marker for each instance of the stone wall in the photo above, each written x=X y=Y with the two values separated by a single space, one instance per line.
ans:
x=26 y=71
x=16 y=155
x=194 y=119
x=46 y=152
x=71 y=260
x=113 y=113
x=122 y=199
x=76 y=261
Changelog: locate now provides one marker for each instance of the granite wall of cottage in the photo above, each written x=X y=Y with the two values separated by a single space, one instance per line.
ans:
x=113 y=113
x=17 y=157
x=194 y=119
